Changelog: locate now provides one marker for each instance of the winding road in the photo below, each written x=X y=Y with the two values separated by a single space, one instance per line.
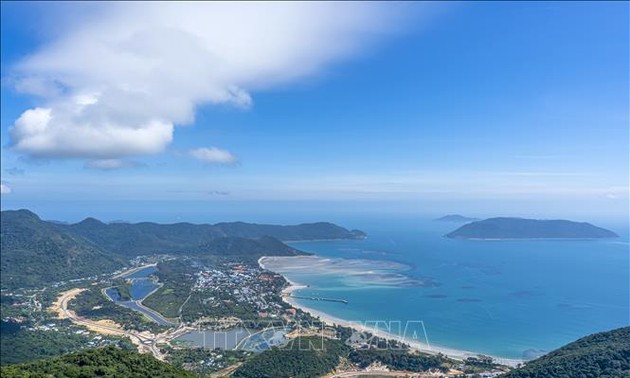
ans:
x=145 y=341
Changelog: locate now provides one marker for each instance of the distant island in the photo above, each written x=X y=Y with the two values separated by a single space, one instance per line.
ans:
x=455 y=218
x=520 y=228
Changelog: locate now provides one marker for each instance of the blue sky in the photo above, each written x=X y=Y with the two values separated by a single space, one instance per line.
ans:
x=479 y=108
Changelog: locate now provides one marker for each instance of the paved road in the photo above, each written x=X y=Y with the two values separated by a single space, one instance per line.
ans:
x=377 y=373
x=146 y=342
x=136 y=305
x=132 y=270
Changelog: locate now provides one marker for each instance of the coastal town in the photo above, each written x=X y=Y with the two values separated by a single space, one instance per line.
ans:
x=232 y=294
x=314 y=189
x=242 y=285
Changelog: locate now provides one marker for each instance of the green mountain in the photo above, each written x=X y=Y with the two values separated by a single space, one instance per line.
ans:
x=35 y=252
x=519 y=228
x=142 y=238
x=305 y=231
x=146 y=238
x=601 y=355
x=109 y=362
x=233 y=246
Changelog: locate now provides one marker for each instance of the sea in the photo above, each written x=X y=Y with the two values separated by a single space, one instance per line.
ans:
x=513 y=299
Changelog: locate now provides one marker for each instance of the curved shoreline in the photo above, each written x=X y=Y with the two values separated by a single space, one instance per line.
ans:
x=357 y=326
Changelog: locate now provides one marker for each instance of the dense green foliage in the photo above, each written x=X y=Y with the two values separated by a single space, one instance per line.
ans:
x=396 y=359
x=10 y=307
x=92 y=304
x=601 y=355
x=479 y=364
x=35 y=253
x=519 y=228
x=222 y=306
x=204 y=361
x=238 y=246
x=303 y=357
x=19 y=344
x=109 y=362
x=123 y=288
x=177 y=276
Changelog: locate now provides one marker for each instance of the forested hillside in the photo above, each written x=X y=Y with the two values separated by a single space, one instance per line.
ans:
x=146 y=238
x=108 y=362
x=601 y=355
x=303 y=358
x=35 y=252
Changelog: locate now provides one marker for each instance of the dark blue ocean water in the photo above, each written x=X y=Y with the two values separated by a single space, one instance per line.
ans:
x=512 y=299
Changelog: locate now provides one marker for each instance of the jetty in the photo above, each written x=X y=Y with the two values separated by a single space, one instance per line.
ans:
x=320 y=299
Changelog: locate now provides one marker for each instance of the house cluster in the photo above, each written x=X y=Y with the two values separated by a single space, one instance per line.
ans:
x=18 y=307
x=242 y=284
x=213 y=362
x=94 y=340
x=44 y=327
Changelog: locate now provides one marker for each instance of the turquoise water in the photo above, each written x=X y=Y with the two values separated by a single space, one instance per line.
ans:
x=512 y=299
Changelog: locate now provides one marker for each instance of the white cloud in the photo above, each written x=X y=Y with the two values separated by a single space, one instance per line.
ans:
x=4 y=189
x=117 y=83
x=213 y=155
x=37 y=134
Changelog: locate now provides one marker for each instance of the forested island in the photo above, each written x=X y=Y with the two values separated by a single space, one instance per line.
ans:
x=521 y=228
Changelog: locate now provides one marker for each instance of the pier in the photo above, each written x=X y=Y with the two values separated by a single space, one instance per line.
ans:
x=320 y=299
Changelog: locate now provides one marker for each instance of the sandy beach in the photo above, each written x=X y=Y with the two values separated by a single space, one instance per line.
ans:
x=359 y=327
